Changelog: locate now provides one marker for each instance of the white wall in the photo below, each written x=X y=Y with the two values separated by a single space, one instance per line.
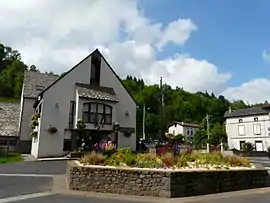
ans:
x=35 y=142
x=64 y=91
x=126 y=103
x=184 y=130
x=176 y=129
x=234 y=138
x=26 y=114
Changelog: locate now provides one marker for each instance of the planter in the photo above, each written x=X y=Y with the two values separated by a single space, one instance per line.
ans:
x=162 y=183
x=77 y=154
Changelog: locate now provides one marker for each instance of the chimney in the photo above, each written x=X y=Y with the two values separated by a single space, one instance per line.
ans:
x=230 y=109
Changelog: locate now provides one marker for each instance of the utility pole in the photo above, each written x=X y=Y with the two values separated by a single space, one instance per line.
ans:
x=144 y=122
x=207 y=120
x=161 y=108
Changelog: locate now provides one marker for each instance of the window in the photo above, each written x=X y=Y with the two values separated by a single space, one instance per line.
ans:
x=71 y=114
x=188 y=132
x=191 y=132
x=257 y=129
x=241 y=130
x=240 y=120
x=242 y=144
x=95 y=70
x=97 y=113
x=256 y=119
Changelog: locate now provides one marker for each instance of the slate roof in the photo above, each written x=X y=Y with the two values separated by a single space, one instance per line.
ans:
x=247 y=112
x=9 y=119
x=96 y=92
x=35 y=82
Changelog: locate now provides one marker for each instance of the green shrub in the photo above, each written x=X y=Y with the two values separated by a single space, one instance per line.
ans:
x=148 y=161
x=181 y=161
x=237 y=161
x=123 y=157
x=92 y=159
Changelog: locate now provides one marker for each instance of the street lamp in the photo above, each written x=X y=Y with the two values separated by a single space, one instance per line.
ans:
x=144 y=110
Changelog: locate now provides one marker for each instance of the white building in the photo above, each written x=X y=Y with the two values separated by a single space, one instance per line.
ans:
x=248 y=125
x=91 y=91
x=188 y=130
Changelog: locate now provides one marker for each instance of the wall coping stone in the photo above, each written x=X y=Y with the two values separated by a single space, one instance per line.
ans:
x=78 y=164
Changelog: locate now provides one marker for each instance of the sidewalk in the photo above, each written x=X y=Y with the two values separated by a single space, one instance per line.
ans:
x=29 y=157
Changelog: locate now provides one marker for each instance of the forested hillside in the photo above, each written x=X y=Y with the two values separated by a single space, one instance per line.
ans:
x=179 y=105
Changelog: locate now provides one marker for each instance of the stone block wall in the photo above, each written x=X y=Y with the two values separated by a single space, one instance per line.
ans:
x=162 y=183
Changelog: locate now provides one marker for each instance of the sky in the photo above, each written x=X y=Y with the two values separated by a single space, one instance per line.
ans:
x=215 y=46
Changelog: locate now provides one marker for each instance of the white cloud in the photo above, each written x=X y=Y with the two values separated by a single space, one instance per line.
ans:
x=55 y=35
x=266 y=56
x=177 y=32
x=254 y=91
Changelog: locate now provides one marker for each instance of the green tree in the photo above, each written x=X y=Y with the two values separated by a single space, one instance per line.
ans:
x=217 y=134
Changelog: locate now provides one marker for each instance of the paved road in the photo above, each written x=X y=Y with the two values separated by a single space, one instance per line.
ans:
x=34 y=167
x=28 y=177
x=15 y=186
x=265 y=161
x=18 y=183
x=62 y=198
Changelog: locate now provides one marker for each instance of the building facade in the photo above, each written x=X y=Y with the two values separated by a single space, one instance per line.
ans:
x=250 y=125
x=90 y=92
x=34 y=83
x=188 y=130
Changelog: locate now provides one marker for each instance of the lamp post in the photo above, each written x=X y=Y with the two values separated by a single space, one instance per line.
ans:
x=143 y=124
x=207 y=120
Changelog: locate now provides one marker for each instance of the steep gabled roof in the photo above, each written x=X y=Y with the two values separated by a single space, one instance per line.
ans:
x=247 y=112
x=9 y=119
x=94 y=52
x=36 y=82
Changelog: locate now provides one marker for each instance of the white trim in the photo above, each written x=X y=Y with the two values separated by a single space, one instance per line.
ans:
x=27 y=175
x=24 y=197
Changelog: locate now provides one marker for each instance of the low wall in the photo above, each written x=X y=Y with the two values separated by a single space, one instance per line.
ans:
x=250 y=153
x=163 y=183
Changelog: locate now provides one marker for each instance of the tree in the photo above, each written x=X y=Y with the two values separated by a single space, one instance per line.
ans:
x=200 y=137
x=33 y=68
x=217 y=134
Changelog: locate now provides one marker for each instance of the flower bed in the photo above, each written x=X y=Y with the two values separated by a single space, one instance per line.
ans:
x=183 y=161
x=160 y=182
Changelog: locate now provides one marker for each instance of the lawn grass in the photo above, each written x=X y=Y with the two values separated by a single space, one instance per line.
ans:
x=9 y=100
x=11 y=158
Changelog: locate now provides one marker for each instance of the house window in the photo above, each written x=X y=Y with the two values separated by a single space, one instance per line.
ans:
x=95 y=70
x=257 y=129
x=241 y=130
x=191 y=132
x=71 y=114
x=242 y=144
x=240 y=120
x=97 y=113
x=256 y=119
x=188 y=132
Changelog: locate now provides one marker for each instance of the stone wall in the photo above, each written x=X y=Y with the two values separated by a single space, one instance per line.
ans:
x=163 y=183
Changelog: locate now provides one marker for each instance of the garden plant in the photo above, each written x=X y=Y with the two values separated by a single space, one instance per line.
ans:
x=185 y=160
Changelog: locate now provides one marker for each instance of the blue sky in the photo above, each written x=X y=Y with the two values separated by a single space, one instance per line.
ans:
x=202 y=45
x=231 y=34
